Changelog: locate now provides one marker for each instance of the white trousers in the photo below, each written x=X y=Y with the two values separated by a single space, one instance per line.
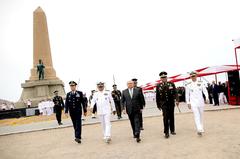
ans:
x=222 y=98
x=106 y=125
x=44 y=111
x=198 y=117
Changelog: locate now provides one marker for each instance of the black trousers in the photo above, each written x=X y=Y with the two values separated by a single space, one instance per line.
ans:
x=210 y=99
x=168 y=119
x=216 y=99
x=141 y=120
x=77 y=124
x=94 y=109
x=58 y=112
x=135 y=123
x=118 y=108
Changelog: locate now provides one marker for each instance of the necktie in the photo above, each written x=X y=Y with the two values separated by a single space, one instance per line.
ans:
x=131 y=92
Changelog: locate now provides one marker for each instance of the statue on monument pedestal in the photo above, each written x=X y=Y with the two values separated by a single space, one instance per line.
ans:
x=40 y=70
x=43 y=79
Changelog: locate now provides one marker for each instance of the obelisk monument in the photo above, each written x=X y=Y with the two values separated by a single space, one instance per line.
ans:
x=41 y=45
x=35 y=89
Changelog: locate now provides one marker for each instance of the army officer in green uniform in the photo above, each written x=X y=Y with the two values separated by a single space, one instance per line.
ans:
x=166 y=96
x=58 y=106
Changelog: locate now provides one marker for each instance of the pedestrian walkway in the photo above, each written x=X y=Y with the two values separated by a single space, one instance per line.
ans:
x=149 y=111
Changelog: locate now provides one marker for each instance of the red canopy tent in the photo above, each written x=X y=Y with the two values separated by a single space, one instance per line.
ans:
x=206 y=71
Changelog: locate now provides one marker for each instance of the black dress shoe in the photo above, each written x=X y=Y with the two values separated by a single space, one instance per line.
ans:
x=60 y=123
x=138 y=140
x=141 y=128
x=78 y=140
x=166 y=136
x=173 y=133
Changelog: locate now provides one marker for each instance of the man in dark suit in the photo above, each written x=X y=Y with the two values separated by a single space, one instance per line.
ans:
x=133 y=104
x=75 y=103
x=210 y=93
x=140 y=90
x=215 y=90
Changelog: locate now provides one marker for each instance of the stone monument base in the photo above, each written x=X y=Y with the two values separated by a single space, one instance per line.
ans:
x=39 y=90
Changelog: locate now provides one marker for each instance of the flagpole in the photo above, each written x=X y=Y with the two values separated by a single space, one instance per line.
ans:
x=114 y=79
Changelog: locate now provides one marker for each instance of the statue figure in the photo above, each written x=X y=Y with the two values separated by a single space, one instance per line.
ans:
x=40 y=70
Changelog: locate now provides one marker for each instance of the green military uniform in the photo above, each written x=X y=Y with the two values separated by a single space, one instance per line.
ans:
x=116 y=94
x=166 y=94
x=143 y=102
x=58 y=107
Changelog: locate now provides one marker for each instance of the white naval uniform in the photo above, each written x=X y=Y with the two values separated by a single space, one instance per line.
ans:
x=50 y=107
x=40 y=107
x=44 y=107
x=105 y=106
x=222 y=98
x=194 y=96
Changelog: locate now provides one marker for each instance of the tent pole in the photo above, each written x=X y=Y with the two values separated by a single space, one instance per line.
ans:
x=235 y=49
x=216 y=78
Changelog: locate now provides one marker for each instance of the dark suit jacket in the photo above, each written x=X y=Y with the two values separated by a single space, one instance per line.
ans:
x=142 y=96
x=134 y=104
x=215 y=89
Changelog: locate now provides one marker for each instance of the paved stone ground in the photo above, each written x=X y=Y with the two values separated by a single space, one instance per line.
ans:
x=149 y=111
x=221 y=140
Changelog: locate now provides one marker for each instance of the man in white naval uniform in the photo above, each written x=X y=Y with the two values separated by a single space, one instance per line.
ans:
x=195 y=101
x=105 y=106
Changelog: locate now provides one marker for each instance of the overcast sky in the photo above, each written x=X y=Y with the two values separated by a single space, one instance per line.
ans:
x=93 y=39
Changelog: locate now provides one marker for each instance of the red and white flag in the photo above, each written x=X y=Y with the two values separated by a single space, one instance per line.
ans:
x=236 y=42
